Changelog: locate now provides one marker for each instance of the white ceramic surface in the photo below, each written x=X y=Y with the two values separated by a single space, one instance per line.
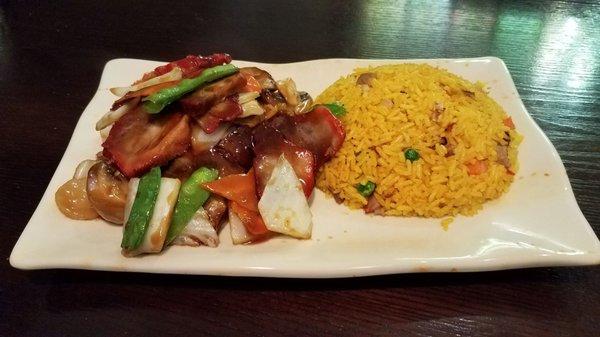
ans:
x=537 y=223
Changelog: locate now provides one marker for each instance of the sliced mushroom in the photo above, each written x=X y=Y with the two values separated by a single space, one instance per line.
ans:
x=305 y=103
x=436 y=112
x=366 y=79
x=107 y=192
x=469 y=93
x=373 y=206
x=287 y=88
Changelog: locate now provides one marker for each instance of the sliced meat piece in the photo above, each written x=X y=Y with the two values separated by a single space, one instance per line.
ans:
x=264 y=78
x=317 y=131
x=189 y=65
x=224 y=111
x=139 y=141
x=215 y=208
x=320 y=132
x=502 y=152
x=373 y=206
x=237 y=146
x=186 y=164
x=366 y=79
x=269 y=144
x=200 y=101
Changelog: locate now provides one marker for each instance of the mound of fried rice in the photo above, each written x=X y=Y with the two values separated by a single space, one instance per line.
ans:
x=466 y=142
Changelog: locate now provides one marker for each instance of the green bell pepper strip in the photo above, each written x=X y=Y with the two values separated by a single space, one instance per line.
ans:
x=141 y=210
x=191 y=197
x=159 y=100
x=336 y=109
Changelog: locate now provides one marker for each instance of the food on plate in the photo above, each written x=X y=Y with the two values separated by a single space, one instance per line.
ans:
x=196 y=142
x=420 y=141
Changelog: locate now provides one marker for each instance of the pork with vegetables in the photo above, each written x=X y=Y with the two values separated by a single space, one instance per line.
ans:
x=198 y=142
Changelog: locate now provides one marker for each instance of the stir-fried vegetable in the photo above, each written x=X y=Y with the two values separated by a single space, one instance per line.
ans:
x=83 y=168
x=113 y=115
x=173 y=75
x=161 y=216
x=336 y=109
x=158 y=101
x=190 y=65
x=287 y=88
x=279 y=140
x=251 y=108
x=476 y=167
x=283 y=206
x=509 y=122
x=107 y=191
x=141 y=209
x=411 y=154
x=191 y=197
x=198 y=231
x=252 y=220
x=366 y=189
x=245 y=97
x=158 y=225
x=239 y=233
x=202 y=141
x=240 y=188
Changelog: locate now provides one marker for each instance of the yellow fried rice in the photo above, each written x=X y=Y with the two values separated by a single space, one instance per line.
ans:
x=453 y=125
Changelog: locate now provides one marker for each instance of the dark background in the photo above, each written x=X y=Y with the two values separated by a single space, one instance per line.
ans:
x=51 y=58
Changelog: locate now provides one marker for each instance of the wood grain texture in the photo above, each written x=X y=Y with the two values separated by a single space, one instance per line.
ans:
x=51 y=58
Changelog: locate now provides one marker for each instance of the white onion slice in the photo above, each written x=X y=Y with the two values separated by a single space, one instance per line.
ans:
x=83 y=168
x=173 y=75
x=283 y=205
x=287 y=88
x=161 y=216
x=112 y=116
x=198 y=231
x=131 y=192
x=105 y=132
x=239 y=234
x=202 y=141
x=251 y=108
x=247 y=96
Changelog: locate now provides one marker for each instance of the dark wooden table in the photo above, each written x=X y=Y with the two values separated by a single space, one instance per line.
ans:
x=51 y=58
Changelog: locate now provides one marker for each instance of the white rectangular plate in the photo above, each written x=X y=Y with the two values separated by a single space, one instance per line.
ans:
x=537 y=223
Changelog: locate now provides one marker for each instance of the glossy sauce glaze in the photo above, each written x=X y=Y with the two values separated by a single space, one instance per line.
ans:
x=72 y=200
